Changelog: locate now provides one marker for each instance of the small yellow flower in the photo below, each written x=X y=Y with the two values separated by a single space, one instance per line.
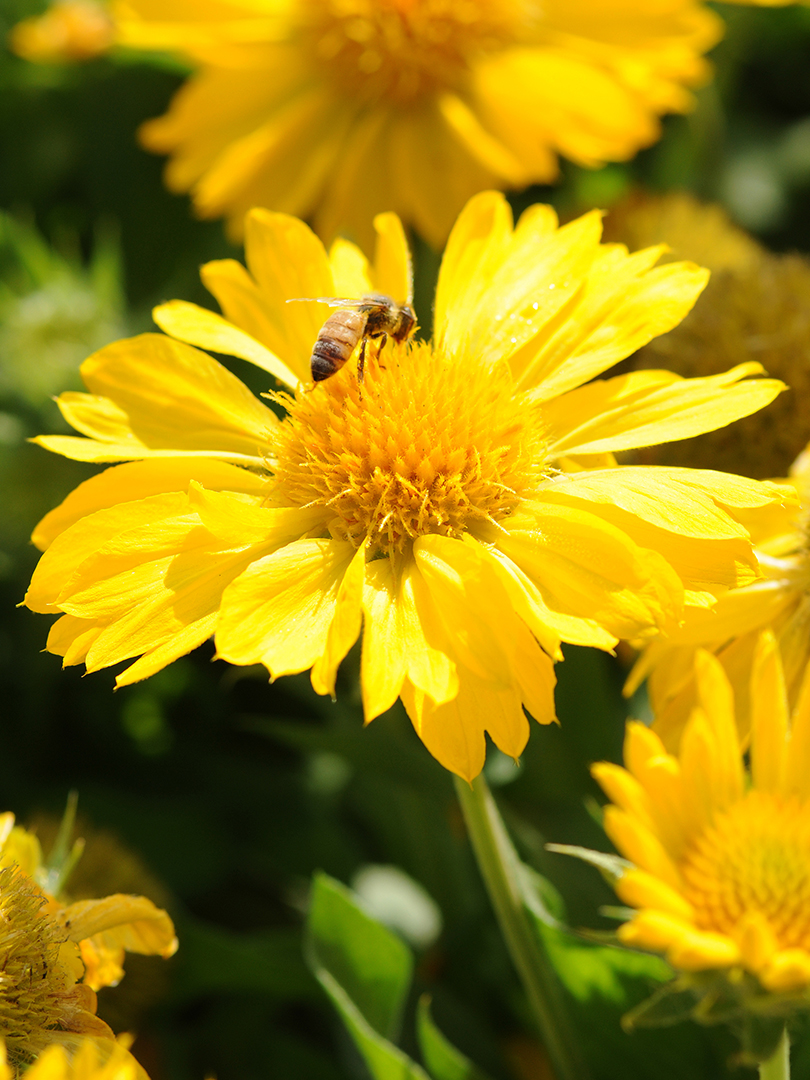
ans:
x=463 y=501
x=779 y=600
x=721 y=859
x=336 y=110
x=70 y=30
x=78 y=1058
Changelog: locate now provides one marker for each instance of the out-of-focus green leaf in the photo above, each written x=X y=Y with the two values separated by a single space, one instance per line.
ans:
x=366 y=962
x=385 y=1061
x=442 y=1059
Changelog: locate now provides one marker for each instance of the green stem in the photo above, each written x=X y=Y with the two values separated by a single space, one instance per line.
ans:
x=778 y=1067
x=500 y=869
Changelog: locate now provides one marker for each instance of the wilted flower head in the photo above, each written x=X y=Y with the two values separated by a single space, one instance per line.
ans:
x=336 y=110
x=462 y=501
x=56 y=954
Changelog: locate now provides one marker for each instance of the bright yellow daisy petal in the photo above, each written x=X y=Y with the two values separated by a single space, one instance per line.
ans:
x=336 y=111
x=427 y=504
x=780 y=600
x=730 y=886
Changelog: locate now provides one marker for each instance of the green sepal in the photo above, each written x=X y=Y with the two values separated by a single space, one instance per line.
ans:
x=670 y=1004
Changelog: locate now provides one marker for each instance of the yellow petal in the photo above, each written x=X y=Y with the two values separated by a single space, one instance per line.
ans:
x=207 y=330
x=138 y=480
x=382 y=662
x=175 y=398
x=549 y=626
x=584 y=566
x=296 y=586
x=717 y=701
x=345 y=627
x=639 y=844
x=788 y=971
x=476 y=247
x=797 y=763
x=72 y=638
x=624 y=303
x=133 y=922
x=454 y=732
x=87 y=535
x=648 y=408
x=392 y=273
x=622 y=789
x=769 y=716
x=698 y=951
x=655 y=930
x=642 y=890
x=756 y=940
x=350 y=269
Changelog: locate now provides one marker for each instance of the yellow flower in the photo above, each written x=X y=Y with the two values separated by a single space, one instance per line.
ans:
x=462 y=500
x=721 y=859
x=338 y=109
x=780 y=601
x=103 y=930
x=70 y=30
x=82 y=1058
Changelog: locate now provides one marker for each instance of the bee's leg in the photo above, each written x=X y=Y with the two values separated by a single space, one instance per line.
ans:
x=361 y=362
x=381 y=347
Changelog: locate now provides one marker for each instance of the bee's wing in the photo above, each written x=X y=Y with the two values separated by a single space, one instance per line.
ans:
x=332 y=301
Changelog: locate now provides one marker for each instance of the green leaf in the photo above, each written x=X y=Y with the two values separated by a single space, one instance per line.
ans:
x=442 y=1059
x=348 y=949
x=384 y=1060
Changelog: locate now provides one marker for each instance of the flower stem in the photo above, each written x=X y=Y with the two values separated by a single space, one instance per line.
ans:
x=500 y=869
x=778 y=1067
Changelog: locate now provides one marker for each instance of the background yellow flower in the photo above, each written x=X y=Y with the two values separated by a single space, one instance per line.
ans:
x=336 y=110
x=462 y=501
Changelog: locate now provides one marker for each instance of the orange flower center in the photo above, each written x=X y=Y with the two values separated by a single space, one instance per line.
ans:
x=421 y=446
x=754 y=858
x=403 y=50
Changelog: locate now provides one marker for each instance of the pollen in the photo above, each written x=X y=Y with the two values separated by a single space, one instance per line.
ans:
x=420 y=446
x=754 y=860
x=403 y=50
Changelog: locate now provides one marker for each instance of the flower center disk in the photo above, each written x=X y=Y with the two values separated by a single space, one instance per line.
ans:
x=754 y=858
x=421 y=446
x=407 y=49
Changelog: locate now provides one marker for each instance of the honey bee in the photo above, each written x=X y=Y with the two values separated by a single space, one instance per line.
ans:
x=374 y=315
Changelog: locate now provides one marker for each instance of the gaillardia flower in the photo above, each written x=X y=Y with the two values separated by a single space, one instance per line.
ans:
x=779 y=601
x=335 y=110
x=720 y=879
x=57 y=954
x=462 y=500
